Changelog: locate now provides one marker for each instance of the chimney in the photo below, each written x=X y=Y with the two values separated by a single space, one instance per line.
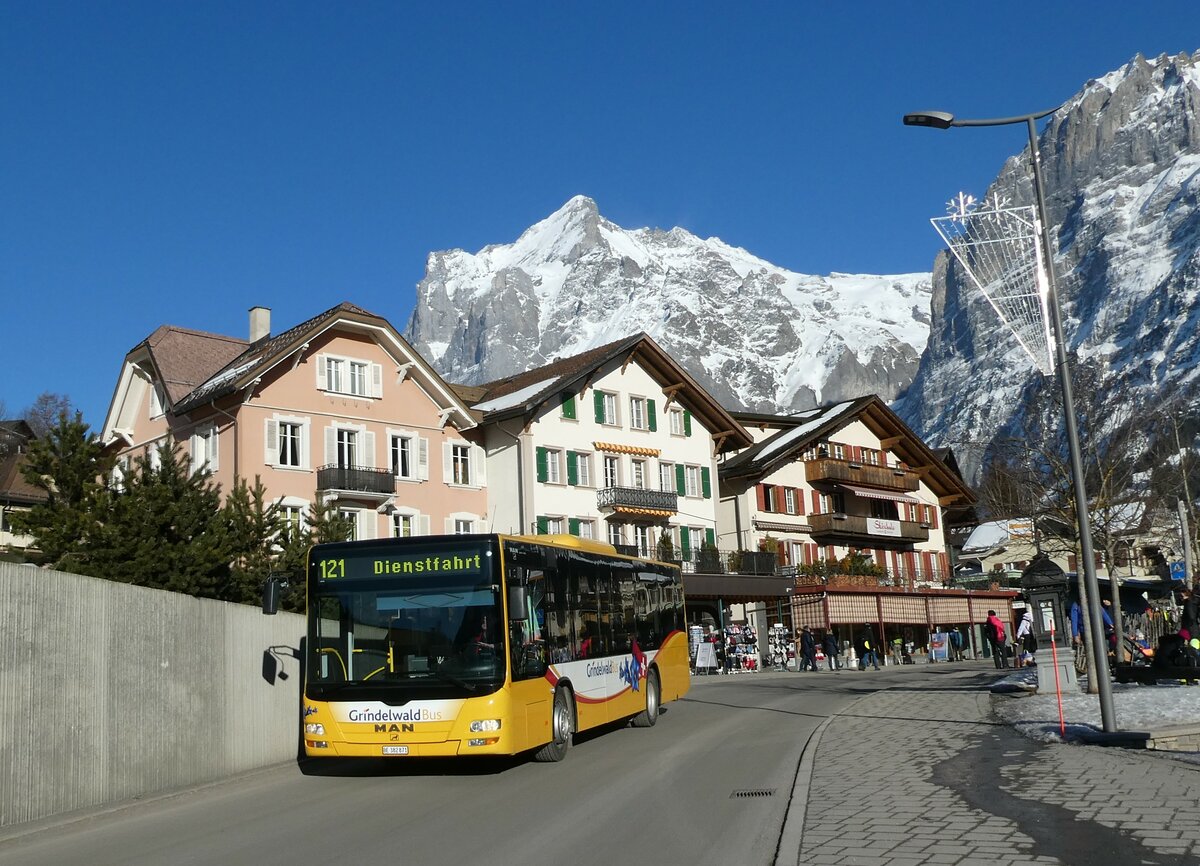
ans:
x=260 y=323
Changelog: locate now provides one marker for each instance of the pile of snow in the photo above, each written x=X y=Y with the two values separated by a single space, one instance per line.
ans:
x=1136 y=707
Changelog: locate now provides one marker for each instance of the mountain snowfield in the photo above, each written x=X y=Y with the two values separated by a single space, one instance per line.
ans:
x=755 y=334
x=1121 y=161
x=1122 y=166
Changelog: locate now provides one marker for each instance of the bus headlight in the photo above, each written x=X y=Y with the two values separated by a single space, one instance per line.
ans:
x=480 y=726
x=314 y=728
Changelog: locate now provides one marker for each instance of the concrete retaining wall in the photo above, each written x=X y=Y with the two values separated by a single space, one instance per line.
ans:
x=110 y=691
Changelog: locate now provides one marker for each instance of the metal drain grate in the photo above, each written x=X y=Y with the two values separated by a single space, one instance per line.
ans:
x=753 y=792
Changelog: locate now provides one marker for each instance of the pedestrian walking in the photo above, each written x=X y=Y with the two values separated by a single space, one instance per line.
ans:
x=867 y=647
x=808 y=649
x=997 y=639
x=956 y=644
x=832 y=651
x=1026 y=642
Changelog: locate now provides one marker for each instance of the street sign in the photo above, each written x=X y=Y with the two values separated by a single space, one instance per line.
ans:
x=1178 y=571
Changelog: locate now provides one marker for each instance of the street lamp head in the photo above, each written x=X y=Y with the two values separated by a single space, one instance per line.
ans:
x=935 y=119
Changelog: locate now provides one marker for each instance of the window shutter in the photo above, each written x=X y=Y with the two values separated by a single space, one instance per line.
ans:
x=680 y=480
x=933 y=517
x=780 y=500
x=598 y=399
x=321 y=383
x=710 y=535
x=330 y=445
x=568 y=406
x=651 y=416
x=478 y=466
x=376 y=380
x=447 y=463
x=542 y=471
x=705 y=482
x=687 y=423
x=271 y=451
x=685 y=543
x=369 y=448
x=760 y=492
x=573 y=525
x=423 y=458
x=425 y=524
x=214 y=460
x=816 y=501
x=367 y=521
x=448 y=525
x=305 y=445
x=543 y=525
x=799 y=497
x=573 y=471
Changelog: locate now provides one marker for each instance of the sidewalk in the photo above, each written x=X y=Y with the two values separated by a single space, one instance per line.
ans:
x=928 y=775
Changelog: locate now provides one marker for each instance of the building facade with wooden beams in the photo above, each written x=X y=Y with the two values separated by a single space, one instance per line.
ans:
x=847 y=488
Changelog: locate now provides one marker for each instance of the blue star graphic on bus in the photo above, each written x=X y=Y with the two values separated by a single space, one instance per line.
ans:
x=634 y=668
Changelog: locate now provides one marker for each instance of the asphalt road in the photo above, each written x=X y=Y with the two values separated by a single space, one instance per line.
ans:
x=710 y=783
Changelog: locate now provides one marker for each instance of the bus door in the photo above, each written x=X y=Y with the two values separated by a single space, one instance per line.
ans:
x=530 y=693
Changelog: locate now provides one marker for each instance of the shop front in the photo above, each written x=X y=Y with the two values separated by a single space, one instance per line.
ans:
x=903 y=622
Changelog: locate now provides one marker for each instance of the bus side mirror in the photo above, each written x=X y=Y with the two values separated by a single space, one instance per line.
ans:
x=518 y=599
x=270 y=603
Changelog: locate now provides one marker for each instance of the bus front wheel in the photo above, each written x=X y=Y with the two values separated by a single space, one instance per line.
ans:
x=562 y=725
x=649 y=716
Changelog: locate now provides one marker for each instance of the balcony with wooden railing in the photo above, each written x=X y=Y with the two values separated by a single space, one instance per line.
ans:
x=852 y=527
x=833 y=470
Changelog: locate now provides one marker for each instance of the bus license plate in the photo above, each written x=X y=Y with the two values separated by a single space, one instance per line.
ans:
x=395 y=750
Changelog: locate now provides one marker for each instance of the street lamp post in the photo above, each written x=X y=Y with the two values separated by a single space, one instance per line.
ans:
x=945 y=120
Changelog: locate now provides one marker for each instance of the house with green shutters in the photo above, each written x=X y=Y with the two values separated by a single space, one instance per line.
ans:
x=618 y=443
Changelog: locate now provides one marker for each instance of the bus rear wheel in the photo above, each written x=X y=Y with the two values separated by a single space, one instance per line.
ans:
x=562 y=726
x=649 y=716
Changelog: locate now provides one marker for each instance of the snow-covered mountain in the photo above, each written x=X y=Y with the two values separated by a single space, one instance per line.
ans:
x=1121 y=161
x=756 y=335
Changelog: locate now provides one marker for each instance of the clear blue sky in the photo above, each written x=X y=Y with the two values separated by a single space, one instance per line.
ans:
x=180 y=162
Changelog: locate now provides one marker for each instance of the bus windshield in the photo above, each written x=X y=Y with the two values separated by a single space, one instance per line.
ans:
x=401 y=619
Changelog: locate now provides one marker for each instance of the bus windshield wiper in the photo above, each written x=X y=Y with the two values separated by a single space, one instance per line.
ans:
x=451 y=678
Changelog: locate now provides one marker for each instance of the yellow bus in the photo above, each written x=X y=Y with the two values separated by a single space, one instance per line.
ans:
x=484 y=644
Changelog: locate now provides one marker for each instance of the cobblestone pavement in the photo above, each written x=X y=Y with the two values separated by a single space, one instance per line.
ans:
x=926 y=775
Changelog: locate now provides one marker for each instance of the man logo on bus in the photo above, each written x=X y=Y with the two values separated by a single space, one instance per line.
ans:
x=634 y=668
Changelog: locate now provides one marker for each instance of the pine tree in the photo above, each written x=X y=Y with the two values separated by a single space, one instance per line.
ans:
x=166 y=529
x=322 y=524
x=254 y=528
x=69 y=465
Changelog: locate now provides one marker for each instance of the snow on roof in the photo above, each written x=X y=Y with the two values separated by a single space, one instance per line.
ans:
x=986 y=536
x=516 y=398
x=227 y=376
x=784 y=440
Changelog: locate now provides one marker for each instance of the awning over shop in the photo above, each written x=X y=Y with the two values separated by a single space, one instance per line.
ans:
x=776 y=526
x=737 y=588
x=872 y=493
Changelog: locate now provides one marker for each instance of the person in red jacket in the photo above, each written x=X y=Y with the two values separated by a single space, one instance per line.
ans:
x=997 y=638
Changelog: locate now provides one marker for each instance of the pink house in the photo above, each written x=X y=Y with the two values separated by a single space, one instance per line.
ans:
x=338 y=408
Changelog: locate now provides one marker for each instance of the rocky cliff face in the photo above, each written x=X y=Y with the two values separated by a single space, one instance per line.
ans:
x=1121 y=161
x=756 y=335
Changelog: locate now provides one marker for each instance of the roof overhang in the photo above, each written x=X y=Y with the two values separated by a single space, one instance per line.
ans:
x=737 y=588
